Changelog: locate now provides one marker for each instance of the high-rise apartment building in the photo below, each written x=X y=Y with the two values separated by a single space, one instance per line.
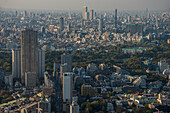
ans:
x=91 y=14
x=29 y=53
x=147 y=13
x=41 y=63
x=69 y=27
x=61 y=24
x=24 y=13
x=30 y=14
x=87 y=15
x=66 y=58
x=16 y=13
x=95 y=15
x=67 y=87
x=16 y=64
x=129 y=19
x=101 y=25
x=115 y=18
x=74 y=107
x=85 y=9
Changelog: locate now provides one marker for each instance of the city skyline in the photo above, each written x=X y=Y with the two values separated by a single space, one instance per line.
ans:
x=77 y=4
x=85 y=60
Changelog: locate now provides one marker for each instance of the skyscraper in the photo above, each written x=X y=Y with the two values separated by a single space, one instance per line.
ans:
x=74 y=107
x=101 y=25
x=30 y=14
x=129 y=19
x=41 y=63
x=147 y=13
x=156 y=18
x=84 y=11
x=61 y=24
x=24 y=13
x=29 y=54
x=69 y=27
x=91 y=14
x=105 y=16
x=16 y=64
x=16 y=13
x=95 y=15
x=66 y=58
x=87 y=15
x=115 y=18
x=67 y=87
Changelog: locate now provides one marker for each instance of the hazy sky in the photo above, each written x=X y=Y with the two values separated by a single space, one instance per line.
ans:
x=92 y=4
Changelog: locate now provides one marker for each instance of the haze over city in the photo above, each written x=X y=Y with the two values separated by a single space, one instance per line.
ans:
x=84 y=56
x=77 y=4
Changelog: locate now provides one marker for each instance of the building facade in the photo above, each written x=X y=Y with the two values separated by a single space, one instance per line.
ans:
x=41 y=63
x=84 y=11
x=67 y=87
x=16 y=64
x=115 y=18
x=61 y=24
x=101 y=25
x=66 y=58
x=91 y=14
x=29 y=53
x=30 y=79
x=74 y=107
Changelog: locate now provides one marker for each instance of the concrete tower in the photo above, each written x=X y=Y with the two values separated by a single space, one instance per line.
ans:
x=16 y=13
x=101 y=25
x=67 y=87
x=66 y=58
x=91 y=14
x=16 y=64
x=41 y=63
x=24 y=13
x=29 y=54
x=115 y=18
x=61 y=24
x=74 y=107
x=85 y=9
x=87 y=15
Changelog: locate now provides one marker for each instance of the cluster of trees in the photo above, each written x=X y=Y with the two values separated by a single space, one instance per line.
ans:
x=114 y=56
x=2 y=84
x=135 y=65
x=6 y=61
x=94 y=107
x=50 y=58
